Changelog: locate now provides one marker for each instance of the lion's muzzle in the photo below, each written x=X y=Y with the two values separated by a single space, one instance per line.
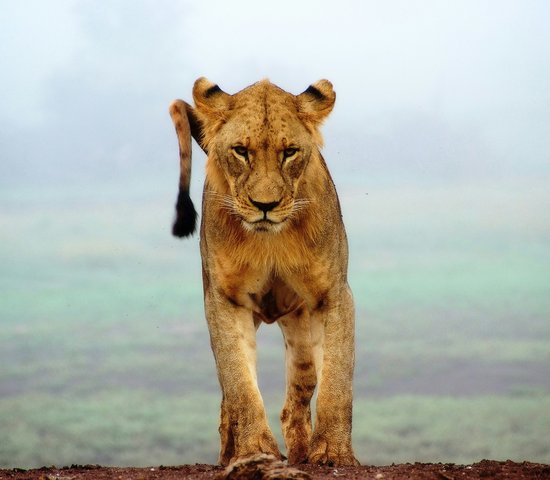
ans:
x=264 y=207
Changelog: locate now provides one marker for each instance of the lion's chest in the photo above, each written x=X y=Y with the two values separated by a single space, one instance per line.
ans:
x=277 y=301
x=257 y=288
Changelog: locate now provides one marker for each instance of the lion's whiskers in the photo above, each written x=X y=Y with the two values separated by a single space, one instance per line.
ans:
x=224 y=201
x=298 y=205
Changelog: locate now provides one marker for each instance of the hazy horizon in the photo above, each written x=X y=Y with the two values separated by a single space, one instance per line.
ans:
x=452 y=90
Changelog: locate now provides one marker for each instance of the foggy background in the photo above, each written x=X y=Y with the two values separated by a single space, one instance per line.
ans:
x=438 y=145
x=427 y=89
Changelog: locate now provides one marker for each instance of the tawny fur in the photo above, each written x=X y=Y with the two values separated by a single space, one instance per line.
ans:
x=273 y=248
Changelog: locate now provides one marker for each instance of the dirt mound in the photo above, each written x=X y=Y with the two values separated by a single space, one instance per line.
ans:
x=486 y=469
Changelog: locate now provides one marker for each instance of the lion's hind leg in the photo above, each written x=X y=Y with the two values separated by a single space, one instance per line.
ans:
x=301 y=380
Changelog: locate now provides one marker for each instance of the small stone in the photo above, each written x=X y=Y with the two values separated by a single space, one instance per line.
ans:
x=262 y=467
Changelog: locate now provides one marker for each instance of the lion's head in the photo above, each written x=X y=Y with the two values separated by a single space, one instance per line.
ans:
x=260 y=141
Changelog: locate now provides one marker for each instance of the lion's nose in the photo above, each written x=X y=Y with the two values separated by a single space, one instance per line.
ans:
x=264 y=207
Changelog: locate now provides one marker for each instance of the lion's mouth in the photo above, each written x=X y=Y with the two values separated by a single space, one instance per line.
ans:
x=264 y=225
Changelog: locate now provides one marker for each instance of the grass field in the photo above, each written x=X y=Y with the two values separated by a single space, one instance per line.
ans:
x=105 y=357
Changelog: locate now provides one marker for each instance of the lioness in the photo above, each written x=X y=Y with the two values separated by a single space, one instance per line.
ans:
x=273 y=249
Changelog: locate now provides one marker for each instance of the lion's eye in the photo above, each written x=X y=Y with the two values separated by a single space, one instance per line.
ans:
x=241 y=151
x=289 y=152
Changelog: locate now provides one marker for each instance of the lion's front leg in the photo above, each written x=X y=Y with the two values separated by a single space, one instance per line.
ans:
x=243 y=424
x=331 y=440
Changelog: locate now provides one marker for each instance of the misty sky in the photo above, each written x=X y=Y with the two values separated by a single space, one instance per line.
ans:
x=438 y=88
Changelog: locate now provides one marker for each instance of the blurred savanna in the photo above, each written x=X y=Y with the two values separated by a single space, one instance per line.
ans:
x=438 y=148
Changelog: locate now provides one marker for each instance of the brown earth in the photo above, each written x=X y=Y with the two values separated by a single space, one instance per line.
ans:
x=486 y=469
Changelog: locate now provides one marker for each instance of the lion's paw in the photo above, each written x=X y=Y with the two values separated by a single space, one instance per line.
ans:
x=323 y=453
x=264 y=443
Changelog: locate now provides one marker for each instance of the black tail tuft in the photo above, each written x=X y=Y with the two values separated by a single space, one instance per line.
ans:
x=186 y=216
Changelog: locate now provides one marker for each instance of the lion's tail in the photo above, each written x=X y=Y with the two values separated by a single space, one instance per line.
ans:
x=186 y=215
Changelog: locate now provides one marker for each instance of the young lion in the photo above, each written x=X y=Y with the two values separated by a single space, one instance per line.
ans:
x=273 y=249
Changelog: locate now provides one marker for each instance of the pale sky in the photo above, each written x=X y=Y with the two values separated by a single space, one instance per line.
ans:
x=469 y=78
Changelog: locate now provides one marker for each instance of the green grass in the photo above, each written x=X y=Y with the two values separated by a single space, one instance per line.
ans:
x=105 y=355
x=139 y=428
x=118 y=427
x=459 y=430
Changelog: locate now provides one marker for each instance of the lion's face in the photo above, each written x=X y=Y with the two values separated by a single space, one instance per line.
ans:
x=263 y=150
x=261 y=139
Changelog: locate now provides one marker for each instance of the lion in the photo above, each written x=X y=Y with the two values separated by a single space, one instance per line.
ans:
x=273 y=249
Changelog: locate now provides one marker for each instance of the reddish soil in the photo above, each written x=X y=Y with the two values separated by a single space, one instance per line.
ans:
x=485 y=469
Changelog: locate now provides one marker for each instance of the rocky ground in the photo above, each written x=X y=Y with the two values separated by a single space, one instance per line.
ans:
x=265 y=468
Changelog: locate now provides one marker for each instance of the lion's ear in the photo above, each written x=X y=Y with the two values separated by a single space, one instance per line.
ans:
x=211 y=101
x=317 y=101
